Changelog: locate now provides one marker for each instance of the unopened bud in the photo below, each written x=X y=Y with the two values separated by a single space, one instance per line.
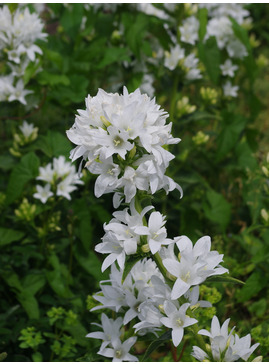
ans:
x=258 y=359
x=265 y=215
x=105 y=121
x=170 y=276
x=265 y=171
x=132 y=152
x=145 y=248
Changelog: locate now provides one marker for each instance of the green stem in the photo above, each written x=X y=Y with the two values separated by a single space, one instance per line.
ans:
x=158 y=260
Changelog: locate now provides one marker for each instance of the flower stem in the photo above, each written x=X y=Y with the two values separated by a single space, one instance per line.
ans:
x=158 y=260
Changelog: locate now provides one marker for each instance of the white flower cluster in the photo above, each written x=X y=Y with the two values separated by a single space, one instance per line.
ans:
x=18 y=34
x=219 y=26
x=224 y=346
x=61 y=178
x=126 y=233
x=144 y=295
x=154 y=280
x=123 y=139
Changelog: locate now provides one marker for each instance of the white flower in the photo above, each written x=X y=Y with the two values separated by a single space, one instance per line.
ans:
x=195 y=264
x=229 y=90
x=111 y=328
x=27 y=129
x=189 y=30
x=176 y=320
x=43 y=193
x=173 y=57
x=221 y=28
x=227 y=68
x=152 y=10
x=225 y=346
x=236 y=11
x=240 y=348
x=147 y=85
x=108 y=172
x=6 y=87
x=156 y=232
x=18 y=93
x=119 y=350
x=190 y=63
x=236 y=49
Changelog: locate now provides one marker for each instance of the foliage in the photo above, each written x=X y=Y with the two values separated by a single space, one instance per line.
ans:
x=49 y=269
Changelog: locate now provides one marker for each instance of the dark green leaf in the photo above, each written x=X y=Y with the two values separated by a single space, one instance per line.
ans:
x=90 y=262
x=29 y=303
x=156 y=343
x=241 y=34
x=258 y=308
x=233 y=125
x=6 y=162
x=217 y=209
x=54 y=144
x=130 y=262
x=210 y=56
x=7 y=236
x=32 y=283
x=72 y=18
x=202 y=16
x=254 y=284
x=37 y=357
x=113 y=54
x=52 y=79
x=58 y=284
x=84 y=229
x=26 y=170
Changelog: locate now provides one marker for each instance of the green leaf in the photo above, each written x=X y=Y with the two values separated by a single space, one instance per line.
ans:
x=113 y=54
x=233 y=125
x=71 y=19
x=30 y=71
x=54 y=144
x=84 y=228
x=89 y=261
x=254 y=284
x=217 y=209
x=6 y=162
x=249 y=61
x=55 y=57
x=7 y=236
x=129 y=263
x=258 y=308
x=52 y=79
x=134 y=31
x=66 y=95
x=156 y=343
x=32 y=283
x=12 y=279
x=26 y=170
x=37 y=357
x=210 y=55
x=29 y=303
x=241 y=34
x=202 y=16
x=223 y=279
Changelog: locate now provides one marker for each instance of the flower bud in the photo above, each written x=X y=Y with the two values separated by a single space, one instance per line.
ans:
x=145 y=248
